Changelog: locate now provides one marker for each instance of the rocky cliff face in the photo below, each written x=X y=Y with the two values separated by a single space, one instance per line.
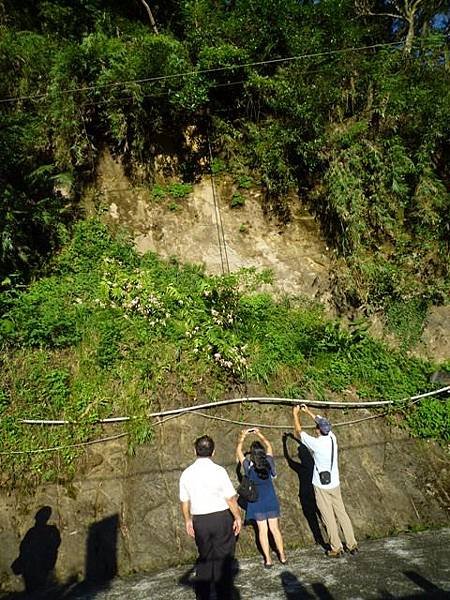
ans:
x=194 y=230
x=206 y=230
x=121 y=513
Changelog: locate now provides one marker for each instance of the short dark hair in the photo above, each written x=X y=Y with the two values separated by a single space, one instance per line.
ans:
x=204 y=446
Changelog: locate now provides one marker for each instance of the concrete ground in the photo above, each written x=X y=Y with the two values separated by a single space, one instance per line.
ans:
x=410 y=566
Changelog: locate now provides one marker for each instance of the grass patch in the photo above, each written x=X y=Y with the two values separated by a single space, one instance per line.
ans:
x=237 y=200
x=173 y=191
x=406 y=319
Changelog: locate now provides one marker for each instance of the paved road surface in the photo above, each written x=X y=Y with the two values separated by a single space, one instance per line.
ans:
x=411 y=566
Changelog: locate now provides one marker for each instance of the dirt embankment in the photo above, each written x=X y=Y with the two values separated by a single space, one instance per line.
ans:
x=204 y=228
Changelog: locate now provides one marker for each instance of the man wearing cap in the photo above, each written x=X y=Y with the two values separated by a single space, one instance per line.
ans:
x=327 y=489
x=212 y=517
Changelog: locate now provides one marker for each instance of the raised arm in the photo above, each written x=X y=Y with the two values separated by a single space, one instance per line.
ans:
x=239 y=452
x=265 y=441
x=308 y=411
x=297 y=422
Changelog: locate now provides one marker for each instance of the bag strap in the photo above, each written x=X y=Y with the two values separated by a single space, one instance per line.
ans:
x=332 y=456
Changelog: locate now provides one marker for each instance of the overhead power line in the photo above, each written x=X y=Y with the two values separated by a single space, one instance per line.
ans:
x=163 y=94
x=203 y=71
x=221 y=241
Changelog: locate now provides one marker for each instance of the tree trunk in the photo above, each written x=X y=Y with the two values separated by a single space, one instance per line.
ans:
x=150 y=16
x=409 y=37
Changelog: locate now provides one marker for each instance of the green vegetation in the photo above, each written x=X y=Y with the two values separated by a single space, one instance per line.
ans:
x=431 y=419
x=237 y=200
x=357 y=124
x=172 y=190
x=109 y=333
x=406 y=319
x=245 y=182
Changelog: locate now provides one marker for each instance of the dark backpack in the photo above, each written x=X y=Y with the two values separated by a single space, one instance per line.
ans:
x=248 y=490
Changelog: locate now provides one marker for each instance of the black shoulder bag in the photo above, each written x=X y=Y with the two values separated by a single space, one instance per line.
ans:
x=325 y=476
x=247 y=489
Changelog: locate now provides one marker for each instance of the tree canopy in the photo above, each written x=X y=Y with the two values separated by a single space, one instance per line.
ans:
x=346 y=102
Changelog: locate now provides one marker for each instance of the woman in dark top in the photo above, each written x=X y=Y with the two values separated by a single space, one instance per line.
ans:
x=260 y=468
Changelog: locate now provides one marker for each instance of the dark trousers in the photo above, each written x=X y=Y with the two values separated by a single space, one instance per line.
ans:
x=216 y=544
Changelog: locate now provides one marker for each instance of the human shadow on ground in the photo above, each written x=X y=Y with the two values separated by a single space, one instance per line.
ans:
x=430 y=590
x=304 y=467
x=38 y=555
x=38 y=552
x=101 y=550
x=295 y=590
x=100 y=561
x=321 y=591
x=224 y=589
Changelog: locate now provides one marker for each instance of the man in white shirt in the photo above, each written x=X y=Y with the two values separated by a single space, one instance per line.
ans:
x=327 y=489
x=212 y=517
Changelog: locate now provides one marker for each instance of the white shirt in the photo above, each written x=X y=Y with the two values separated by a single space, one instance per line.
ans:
x=320 y=448
x=207 y=486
